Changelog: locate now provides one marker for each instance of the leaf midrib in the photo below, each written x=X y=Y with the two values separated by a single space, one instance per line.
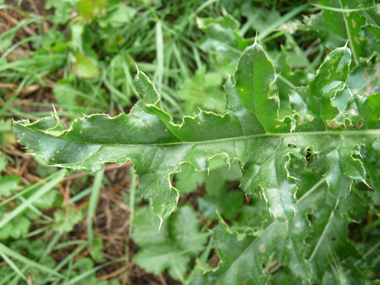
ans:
x=296 y=134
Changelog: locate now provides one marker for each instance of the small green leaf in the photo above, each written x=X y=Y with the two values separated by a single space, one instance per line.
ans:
x=18 y=228
x=86 y=8
x=66 y=219
x=97 y=249
x=62 y=12
x=118 y=15
x=84 y=67
x=8 y=184
x=173 y=246
x=203 y=91
x=47 y=200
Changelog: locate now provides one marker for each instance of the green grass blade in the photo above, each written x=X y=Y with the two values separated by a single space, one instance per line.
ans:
x=160 y=55
x=132 y=195
x=69 y=243
x=93 y=202
x=35 y=210
x=70 y=257
x=80 y=195
x=13 y=265
x=7 y=251
x=42 y=191
x=89 y=272
x=345 y=10
x=36 y=232
x=51 y=244
x=18 y=26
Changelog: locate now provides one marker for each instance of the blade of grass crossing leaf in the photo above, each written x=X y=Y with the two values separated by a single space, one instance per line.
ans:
x=13 y=265
x=39 y=193
x=281 y=21
x=93 y=202
x=10 y=253
x=132 y=196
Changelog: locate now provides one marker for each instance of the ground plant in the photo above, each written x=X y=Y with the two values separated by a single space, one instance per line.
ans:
x=245 y=150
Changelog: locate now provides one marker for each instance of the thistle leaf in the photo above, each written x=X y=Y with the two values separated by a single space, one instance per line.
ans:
x=248 y=133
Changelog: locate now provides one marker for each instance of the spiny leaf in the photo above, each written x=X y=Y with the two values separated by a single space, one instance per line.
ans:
x=249 y=132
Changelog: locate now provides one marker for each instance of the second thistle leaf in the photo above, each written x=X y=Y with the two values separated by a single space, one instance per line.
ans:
x=346 y=25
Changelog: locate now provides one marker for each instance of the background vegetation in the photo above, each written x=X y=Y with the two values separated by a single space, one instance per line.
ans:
x=82 y=56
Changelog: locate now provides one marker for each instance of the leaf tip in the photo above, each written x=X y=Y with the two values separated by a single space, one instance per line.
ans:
x=366 y=184
x=161 y=221
x=55 y=111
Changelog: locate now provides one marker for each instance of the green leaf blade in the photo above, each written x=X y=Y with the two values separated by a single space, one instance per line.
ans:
x=254 y=75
